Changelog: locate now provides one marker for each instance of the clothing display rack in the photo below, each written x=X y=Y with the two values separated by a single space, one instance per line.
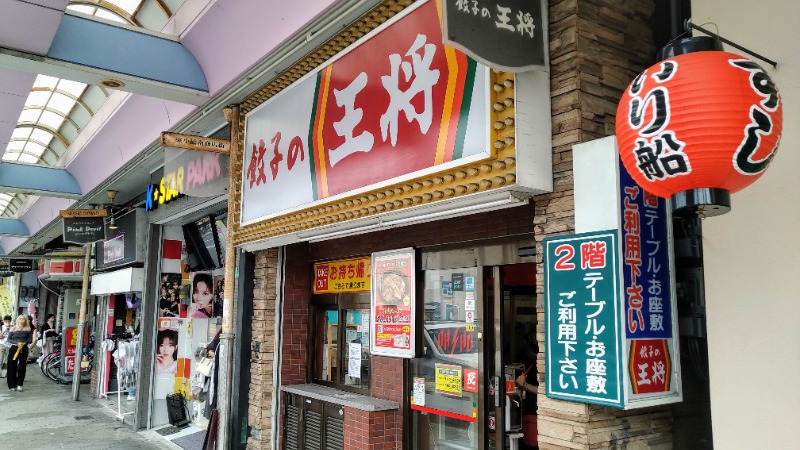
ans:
x=126 y=356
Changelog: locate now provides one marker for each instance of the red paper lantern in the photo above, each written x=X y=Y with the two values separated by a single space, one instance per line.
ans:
x=701 y=120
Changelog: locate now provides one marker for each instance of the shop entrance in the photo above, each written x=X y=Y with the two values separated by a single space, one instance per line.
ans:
x=479 y=339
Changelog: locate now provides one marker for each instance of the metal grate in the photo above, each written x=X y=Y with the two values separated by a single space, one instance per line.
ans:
x=83 y=417
x=292 y=426
x=334 y=433
x=313 y=431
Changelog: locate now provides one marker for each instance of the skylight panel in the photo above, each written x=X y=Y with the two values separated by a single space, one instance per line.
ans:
x=75 y=88
x=30 y=115
x=44 y=81
x=61 y=103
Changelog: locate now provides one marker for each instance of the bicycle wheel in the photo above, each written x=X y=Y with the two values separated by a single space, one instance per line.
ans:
x=47 y=359
x=53 y=369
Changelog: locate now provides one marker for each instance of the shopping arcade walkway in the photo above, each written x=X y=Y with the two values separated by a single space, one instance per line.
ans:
x=44 y=416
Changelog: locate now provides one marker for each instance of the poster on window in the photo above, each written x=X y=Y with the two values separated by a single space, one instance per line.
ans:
x=202 y=306
x=392 y=303
x=172 y=364
x=169 y=303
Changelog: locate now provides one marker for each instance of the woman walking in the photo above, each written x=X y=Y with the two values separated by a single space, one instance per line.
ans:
x=20 y=338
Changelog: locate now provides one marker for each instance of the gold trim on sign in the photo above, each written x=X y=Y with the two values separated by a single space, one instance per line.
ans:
x=499 y=170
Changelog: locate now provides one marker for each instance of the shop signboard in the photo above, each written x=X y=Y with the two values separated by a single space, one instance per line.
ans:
x=647 y=292
x=17 y=265
x=477 y=26
x=392 y=303
x=83 y=226
x=114 y=249
x=392 y=105
x=68 y=352
x=346 y=275
x=607 y=198
x=127 y=245
x=192 y=173
x=582 y=295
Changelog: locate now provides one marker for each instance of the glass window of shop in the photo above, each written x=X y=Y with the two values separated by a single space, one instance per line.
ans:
x=446 y=377
x=341 y=318
x=474 y=383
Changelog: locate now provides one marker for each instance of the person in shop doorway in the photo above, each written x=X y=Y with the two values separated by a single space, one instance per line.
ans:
x=48 y=333
x=528 y=383
x=210 y=410
x=202 y=296
x=4 y=329
x=167 y=352
x=20 y=338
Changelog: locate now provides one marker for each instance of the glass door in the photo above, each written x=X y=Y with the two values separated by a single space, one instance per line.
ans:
x=446 y=379
x=474 y=380
x=510 y=356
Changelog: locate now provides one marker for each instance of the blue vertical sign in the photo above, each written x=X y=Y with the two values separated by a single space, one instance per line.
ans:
x=645 y=243
x=582 y=302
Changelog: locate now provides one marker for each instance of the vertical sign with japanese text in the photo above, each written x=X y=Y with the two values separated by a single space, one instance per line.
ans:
x=582 y=301
x=392 y=303
x=394 y=103
x=647 y=290
x=607 y=198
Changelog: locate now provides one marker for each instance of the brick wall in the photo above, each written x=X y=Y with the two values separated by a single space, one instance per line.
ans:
x=297 y=295
x=261 y=389
x=596 y=48
x=375 y=430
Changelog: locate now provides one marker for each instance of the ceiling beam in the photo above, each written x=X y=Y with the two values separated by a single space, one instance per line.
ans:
x=38 y=180
x=133 y=60
x=12 y=227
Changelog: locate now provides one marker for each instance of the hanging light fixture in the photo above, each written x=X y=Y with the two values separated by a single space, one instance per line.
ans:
x=112 y=224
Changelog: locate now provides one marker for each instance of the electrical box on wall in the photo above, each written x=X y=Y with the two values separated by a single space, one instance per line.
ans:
x=71 y=309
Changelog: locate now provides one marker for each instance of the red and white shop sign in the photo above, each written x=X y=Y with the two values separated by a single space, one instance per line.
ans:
x=470 y=380
x=393 y=105
x=650 y=369
x=392 y=303
x=69 y=365
x=56 y=267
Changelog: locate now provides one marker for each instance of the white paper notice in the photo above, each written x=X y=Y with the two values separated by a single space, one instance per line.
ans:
x=419 y=391
x=354 y=361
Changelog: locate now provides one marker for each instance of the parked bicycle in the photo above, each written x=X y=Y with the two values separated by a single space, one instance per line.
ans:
x=51 y=364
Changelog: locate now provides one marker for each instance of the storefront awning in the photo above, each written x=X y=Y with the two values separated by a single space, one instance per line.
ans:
x=118 y=281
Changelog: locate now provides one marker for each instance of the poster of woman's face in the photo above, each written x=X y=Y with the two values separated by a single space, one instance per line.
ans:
x=170 y=301
x=219 y=289
x=167 y=351
x=202 y=306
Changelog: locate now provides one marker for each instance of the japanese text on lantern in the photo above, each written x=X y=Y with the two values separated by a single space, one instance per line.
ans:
x=582 y=330
x=504 y=17
x=348 y=275
x=659 y=153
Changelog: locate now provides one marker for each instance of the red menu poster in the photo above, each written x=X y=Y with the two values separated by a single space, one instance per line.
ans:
x=392 y=303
